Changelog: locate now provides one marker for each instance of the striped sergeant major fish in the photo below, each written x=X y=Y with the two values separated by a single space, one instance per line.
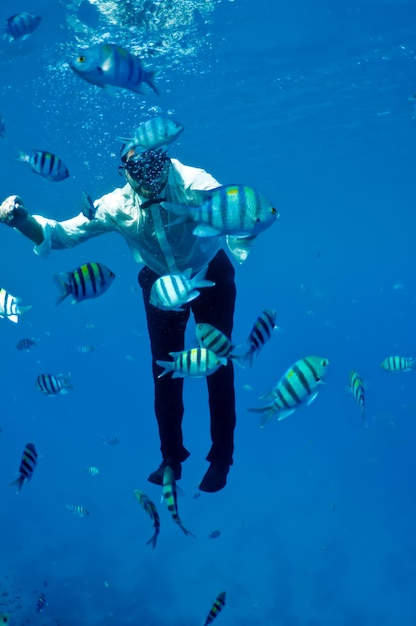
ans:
x=27 y=466
x=227 y=210
x=53 y=384
x=195 y=362
x=87 y=281
x=109 y=65
x=10 y=306
x=299 y=385
x=26 y=343
x=398 y=364
x=261 y=332
x=21 y=25
x=151 y=510
x=45 y=164
x=171 y=291
x=213 y=339
x=216 y=608
x=41 y=603
x=356 y=386
x=88 y=209
x=110 y=440
x=170 y=496
x=78 y=509
x=151 y=135
x=92 y=471
x=2 y=127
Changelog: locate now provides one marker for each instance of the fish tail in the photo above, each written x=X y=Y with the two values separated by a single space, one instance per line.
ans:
x=168 y=365
x=152 y=541
x=66 y=381
x=23 y=309
x=18 y=482
x=199 y=280
x=266 y=414
x=187 y=532
x=23 y=156
x=61 y=281
x=238 y=360
x=248 y=355
x=150 y=80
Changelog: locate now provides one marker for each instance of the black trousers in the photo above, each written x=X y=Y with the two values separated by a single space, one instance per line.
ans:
x=214 y=305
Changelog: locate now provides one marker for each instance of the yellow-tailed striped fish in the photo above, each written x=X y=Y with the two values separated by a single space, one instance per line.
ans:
x=108 y=65
x=10 y=306
x=357 y=389
x=77 y=509
x=261 y=332
x=227 y=210
x=299 y=385
x=27 y=466
x=170 y=496
x=195 y=362
x=21 y=25
x=171 y=291
x=87 y=281
x=216 y=608
x=398 y=364
x=151 y=510
x=213 y=339
x=151 y=135
x=53 y=384
x=45 y=164
x=92 y=470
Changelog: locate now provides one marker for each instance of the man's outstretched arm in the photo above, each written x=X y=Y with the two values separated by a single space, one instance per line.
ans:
x=14 y=214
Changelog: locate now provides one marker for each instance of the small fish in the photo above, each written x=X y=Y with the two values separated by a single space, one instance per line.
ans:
x=26 y=343
x=151 y=135
x=261 y=332
x=21 y=25
x=108 y=65
x=170 y=496
x=92 y=471
x=195 y=362
x=4 y=618
x=86 y=349
x=53 y=384
x=10 y=306
x=216 y=608
x=45 y=164
x=171 y=291
x=151 y=510
x=88 y=209
x=214 y=534
x=227 y=210
x=2 y=127
x=356 y=386
x=27 y=466
x=87 y=281
x=398 y=364
x=110 y=440
x=77 y=509
x=299 y=385
x=213 y=339
x=41 y=603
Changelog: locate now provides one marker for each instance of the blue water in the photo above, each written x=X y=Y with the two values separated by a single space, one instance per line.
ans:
x=309 y=103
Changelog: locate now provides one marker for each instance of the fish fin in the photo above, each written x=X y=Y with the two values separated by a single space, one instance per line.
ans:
x=152 y=541
x=168 y=365
x=23 y=309
x=13 y=318
x=23 y=156
x=238 y=360
x=205 y=230
x=311 y=399
x=199 y=279
x=240 y=247
x=178 y=209
x=62 y=284
x=267 y=414
x=150 y=80
x=66 y=381
x=18 y=482
x=282 y=415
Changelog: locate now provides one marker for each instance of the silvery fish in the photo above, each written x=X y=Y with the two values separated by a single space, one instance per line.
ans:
x=356 y=386
x=228 y=210
x=10 y=306
x=108 y=65
x=78 y=509
x=213 y=339
x=27 y=466
x=152 y=134
x=171 y=291
x=299 y=385
x=87 y=281
x=45 y=164
x=21 y=25
x=261 y=332
x=151 y=510
x=398 y=364
x=195 y=362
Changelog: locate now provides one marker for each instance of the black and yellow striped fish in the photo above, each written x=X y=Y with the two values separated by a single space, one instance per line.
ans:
x=53 y=384
x=260 y=333
x=357 y=390
x=195 y=362
x=151 y=510
x=78 y=509
x=170 y=496
x=216 y=608
x=27 y=466
x=299 y=385
x=87 y=281
x=41 y=602
x=398 y=364
x=213 y=339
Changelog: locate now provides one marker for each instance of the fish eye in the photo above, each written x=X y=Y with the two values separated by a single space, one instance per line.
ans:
x=274 y=211
x=324 y=362
x=81 y=59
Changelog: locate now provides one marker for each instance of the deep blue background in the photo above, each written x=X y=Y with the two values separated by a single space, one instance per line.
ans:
x=309 y=104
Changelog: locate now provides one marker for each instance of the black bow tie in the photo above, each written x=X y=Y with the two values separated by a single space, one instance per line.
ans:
x=147 y=203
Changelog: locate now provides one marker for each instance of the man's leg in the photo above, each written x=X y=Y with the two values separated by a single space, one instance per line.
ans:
x=166 y=332
x=215 y=305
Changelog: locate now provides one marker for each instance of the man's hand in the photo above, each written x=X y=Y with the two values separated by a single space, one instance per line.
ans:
x=12 y=211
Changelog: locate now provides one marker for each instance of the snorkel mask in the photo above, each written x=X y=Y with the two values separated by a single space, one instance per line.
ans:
x=148 y=172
